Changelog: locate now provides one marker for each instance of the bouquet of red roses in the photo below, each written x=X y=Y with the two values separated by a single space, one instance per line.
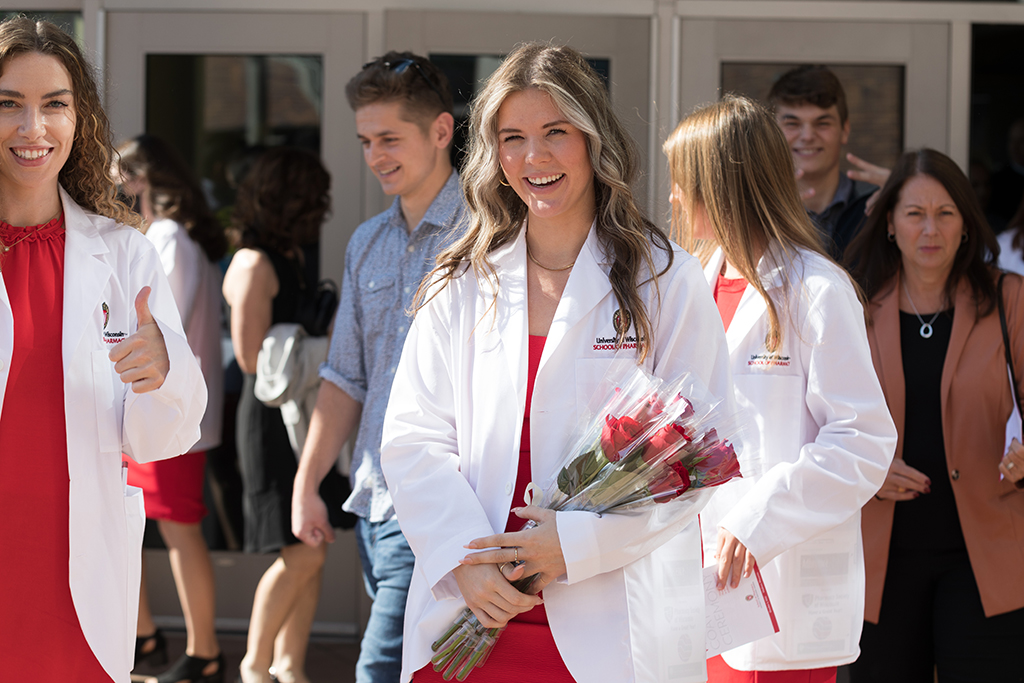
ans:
x=650 y=442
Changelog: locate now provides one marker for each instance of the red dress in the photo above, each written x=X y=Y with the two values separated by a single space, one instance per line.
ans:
x=526 y=650
x=172 y=488
x=41 y=639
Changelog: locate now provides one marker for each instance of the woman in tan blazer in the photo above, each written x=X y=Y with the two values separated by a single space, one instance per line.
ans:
x=944 y=537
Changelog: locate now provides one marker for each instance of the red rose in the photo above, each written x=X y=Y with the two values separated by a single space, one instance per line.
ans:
x=616 y=434
x=667 y=438
x=671 y=483
x=718 y=463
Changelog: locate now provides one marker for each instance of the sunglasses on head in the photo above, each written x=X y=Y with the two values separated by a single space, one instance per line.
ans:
x=402 y=66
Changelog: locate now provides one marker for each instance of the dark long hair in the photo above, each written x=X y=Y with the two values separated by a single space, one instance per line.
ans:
x=173 y=191
x=874 y=260
x=283 y=201
x=496 y=211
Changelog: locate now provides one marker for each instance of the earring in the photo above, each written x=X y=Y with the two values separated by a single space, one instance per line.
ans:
x=891 y=236
x=501 y=181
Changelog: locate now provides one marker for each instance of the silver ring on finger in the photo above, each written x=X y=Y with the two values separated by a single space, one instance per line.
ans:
x=1009 y=465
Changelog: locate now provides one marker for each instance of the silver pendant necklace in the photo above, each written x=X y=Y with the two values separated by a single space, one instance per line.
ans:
x=926 y=327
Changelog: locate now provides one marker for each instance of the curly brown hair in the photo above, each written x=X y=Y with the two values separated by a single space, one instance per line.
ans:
x=283 y=201
x=86 y=173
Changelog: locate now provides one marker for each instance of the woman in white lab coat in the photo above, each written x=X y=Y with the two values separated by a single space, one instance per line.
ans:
x=802 y=367
x=556 y=263
x=93 y=364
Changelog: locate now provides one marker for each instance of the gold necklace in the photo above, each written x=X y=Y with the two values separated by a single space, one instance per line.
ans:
x=553 y=270
x=7 y=247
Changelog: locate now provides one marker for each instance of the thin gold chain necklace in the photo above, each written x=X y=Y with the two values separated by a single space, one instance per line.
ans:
x=553 y=270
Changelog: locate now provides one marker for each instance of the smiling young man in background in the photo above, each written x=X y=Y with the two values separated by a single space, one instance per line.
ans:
x=810 y=107
x=403 y=114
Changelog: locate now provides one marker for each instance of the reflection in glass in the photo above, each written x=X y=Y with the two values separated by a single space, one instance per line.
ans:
x=220 y=110
x=874 y=97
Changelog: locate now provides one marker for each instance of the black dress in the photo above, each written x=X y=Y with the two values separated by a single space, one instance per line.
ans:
x=267 y=461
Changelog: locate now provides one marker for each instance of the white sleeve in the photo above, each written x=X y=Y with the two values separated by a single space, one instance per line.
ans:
x=438 y=509
x=688 y=337
x=837 y=472
x=165 y=422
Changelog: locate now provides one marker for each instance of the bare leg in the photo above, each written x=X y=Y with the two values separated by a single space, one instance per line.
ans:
x=193 y=576
x=293 y=639
x=276 y=597
x=145 y=627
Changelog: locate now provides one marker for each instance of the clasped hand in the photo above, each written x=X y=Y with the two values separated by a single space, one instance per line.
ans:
x=141 y=358
x=903 y=482
x=485 y=577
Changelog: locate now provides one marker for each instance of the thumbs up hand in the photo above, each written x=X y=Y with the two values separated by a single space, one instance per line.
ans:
x=141 y=358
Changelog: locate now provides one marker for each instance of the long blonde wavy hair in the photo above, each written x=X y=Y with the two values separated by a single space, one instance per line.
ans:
x=496 y=211
x=86 y=173
x=731 y=159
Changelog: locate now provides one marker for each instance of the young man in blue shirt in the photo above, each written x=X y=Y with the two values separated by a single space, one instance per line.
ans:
x=404 y=121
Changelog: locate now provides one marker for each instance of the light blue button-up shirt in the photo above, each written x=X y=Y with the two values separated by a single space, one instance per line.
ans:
x=384 y=265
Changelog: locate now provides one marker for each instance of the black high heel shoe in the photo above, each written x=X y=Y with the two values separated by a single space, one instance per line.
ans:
x=189 y=668
x=155 y=657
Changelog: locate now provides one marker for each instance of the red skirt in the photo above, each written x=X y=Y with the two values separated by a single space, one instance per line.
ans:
x=720 y=672
x=172 y=488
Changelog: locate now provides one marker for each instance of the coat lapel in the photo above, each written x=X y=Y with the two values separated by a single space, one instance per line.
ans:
x=586 y=288
x=885 y=326
x=964 y=314
x=85 y=274
x=751 y=307
x=511 y=315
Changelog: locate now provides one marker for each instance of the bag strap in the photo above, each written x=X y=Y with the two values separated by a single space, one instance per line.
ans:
x=1006 y=342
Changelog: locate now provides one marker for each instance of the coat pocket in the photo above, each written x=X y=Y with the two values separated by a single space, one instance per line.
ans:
x=135 y=525
x=107 y=413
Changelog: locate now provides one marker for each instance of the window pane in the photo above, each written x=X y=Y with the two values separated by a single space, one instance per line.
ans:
x=217 y=109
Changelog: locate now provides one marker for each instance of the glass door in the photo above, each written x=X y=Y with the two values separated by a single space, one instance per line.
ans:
x=219 y=86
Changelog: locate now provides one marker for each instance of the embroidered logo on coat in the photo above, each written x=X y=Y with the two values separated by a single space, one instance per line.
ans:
x=769 y=360
x=621 y=322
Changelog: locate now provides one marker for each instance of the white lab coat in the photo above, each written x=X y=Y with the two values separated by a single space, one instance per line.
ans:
x=825 y=440
x=105 y=265
x=630 y=607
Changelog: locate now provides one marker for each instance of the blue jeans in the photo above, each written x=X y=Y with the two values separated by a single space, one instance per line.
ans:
x=387 y=570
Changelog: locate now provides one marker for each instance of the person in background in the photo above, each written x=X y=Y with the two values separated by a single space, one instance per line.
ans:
x=280 y=207
x=1011 y=243
x=404 y=121
x=810 y=106
x=190 y=242
x=943 y=542
x=495 y=374
x=93 y=364
x=823 y=434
